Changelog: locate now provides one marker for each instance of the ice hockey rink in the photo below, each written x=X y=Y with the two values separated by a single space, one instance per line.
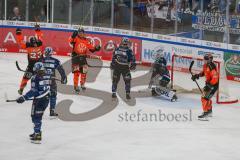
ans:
x=110 y=137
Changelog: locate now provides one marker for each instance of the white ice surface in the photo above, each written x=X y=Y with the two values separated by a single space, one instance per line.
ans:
x=106 y=138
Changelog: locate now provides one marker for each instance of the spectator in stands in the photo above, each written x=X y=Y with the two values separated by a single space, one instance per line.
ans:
x=222 y=6
x=42 y=17
x=140 y=5
x=16 y=15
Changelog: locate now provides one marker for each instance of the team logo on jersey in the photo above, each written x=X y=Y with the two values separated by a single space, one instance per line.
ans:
x=81 y=48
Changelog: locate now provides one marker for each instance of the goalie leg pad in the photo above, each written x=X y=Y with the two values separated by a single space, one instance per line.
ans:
x=166 y=93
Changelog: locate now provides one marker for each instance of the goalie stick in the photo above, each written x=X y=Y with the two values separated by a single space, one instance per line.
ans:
x=190 y=70
x=18 y=67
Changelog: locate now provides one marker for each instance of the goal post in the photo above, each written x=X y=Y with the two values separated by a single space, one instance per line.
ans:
x=181 y=78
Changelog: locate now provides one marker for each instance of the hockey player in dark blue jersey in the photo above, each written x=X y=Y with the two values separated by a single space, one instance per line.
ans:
x=160 y=78
x=40 y=89
x=123 y=60
x=51 y=64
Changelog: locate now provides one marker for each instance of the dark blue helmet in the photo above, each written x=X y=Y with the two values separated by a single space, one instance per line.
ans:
x=48 y=51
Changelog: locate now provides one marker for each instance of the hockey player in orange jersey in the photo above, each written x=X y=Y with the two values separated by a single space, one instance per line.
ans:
x=81 y=46
x=34 y=51
x=212 y=80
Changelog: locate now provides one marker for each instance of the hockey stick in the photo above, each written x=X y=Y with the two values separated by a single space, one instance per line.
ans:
x=11 y=100
x=18 y=67
x=190 y=70
x=8 y=100
x=98 y=66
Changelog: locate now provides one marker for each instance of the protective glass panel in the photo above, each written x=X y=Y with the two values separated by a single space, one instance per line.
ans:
x=16 y=10
x=102 y=13
x=61 y=11
x=164 y=13
x=81 y=12
x=122 y=14
x=234 y=21
x=187 y=12
x=38 y=10
x=2 y=9
x=142 y=15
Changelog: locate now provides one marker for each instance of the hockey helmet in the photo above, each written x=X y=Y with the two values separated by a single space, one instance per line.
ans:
x=33 y=40
x=208 y=57
x=81 y=30
x=39 y=68
x=48 y=51
x=125 y=41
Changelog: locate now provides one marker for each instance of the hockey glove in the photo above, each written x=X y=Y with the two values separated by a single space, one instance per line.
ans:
x=74 y=34
x=133 y=66
x=195 y=76
x=64 y=80
x=20 y=99
x=18 y=31
x=97 y=48
x=208 y=87
x=37 y=27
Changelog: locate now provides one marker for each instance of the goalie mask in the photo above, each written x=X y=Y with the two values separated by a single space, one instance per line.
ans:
x=158 y=53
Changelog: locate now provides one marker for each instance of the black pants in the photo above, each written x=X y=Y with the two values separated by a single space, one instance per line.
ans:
x=29 y=70
x=125 y=72
x=78 y=61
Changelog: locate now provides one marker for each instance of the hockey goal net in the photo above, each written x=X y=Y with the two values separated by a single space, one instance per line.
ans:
x=181 y=78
